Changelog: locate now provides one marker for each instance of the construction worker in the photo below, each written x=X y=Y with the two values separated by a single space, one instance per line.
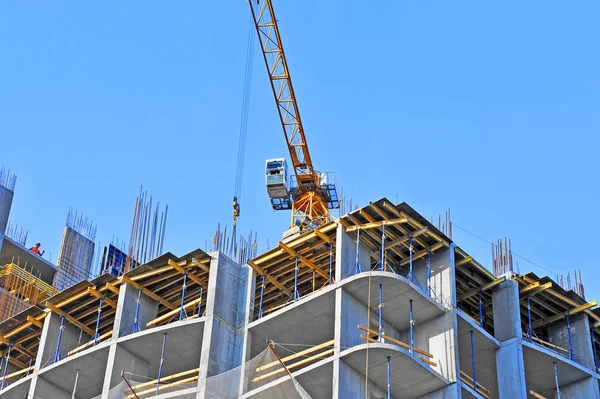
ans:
x=36 y=249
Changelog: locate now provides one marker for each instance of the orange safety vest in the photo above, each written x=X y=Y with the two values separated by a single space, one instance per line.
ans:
x=35 y=250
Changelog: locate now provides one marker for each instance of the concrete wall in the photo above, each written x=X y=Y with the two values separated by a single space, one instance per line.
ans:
x=586 y=388
x=6 y=198
x=442 y=275
x=345 y=256
x=126 y=360
x=126 y=308
x=47 y=390
x=581 y=338
x=511 y=370
x=352 y=384
x=438 y=336
x=71 y=338
x=453 y=391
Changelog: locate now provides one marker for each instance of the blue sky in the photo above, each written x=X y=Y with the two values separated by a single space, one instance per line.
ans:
x=490 y=109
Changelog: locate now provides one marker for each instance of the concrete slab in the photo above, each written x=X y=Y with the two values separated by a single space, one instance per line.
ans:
x=309 y=321
x=12 y=251
x=18 y=389
x=410 y=377
x=316 y=379
x=184 y=344
x=397 y=291
x=90 y=364
x=485 y=353
x=539 y=369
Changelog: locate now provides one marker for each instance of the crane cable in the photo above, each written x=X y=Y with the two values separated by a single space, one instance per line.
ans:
x=239 y=174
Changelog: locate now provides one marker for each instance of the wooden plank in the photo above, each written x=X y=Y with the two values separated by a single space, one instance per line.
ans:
x=536 y=395
x=98 y=295
x=90 y=343
x=73 y=298
x=19 y=372
x=165 y=379
x=395 y=341
x=303 y=260
x=269 y=278
x=201 y=265
x=548 y=344
x=172 y=313
x=296 y=355
x=294 y=365
x=148 y=293
x=427 y=361
x=71 y=319
x=367 y=226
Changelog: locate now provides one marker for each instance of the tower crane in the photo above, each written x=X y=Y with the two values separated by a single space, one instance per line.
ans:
x=308 y=193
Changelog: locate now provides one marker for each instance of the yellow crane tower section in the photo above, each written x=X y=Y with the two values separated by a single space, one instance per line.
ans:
x=308 y=193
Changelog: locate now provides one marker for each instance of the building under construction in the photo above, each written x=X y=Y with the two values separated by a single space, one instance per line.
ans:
x=378 y=303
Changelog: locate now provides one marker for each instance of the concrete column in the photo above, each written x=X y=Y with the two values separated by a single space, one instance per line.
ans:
x=507 y=330
x=249 y=316
x=6 y=198
x=126 y=307
x=337 y=339
x=345 y=255
x=511 y=369
x=223 y=338
x=581 y=338
x=507 y=314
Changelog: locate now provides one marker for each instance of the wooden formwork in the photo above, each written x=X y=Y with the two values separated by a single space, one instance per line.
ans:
x=21 y=289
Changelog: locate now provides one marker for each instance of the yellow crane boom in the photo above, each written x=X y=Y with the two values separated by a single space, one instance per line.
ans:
x=313 y=196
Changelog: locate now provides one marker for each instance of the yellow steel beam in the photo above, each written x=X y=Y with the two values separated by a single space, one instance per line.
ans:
x=35 y=322
x=148 y=293
x=570 y=312
x=422 y=253
x=259 y=270
x=484 y=287
x=303 y=260
x=201 y=265
x=98 y=295
x=367 y=226
x=70 y=319
x=323 y=236
x=534 y=289
x=191 y=276
x=464 y=260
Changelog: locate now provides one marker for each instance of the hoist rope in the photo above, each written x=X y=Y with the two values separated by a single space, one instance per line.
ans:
x=239 y=174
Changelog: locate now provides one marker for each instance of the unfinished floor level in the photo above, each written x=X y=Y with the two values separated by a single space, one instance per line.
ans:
x=377 y=304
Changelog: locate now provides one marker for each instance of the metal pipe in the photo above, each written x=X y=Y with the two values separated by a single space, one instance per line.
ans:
x=556 y=381
x=571 y=353
x=97 y=336
x=594 y=348
x=389 y=385
x=357 y=268
x=75 y=385
x=182 y=313
x=412 y=322
x=410 y=261
x=480 y=309
x=162 y=360
x=60 y=331
x=6 y=366
x=382 y=260
x=380 y=311
x=330 y=263
x=473 y=362
x=200 y=303
x=296 y=293
x=262 y=292
x=429 y=273
x=549 y=332
x=136 y=326
x=529 y=318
